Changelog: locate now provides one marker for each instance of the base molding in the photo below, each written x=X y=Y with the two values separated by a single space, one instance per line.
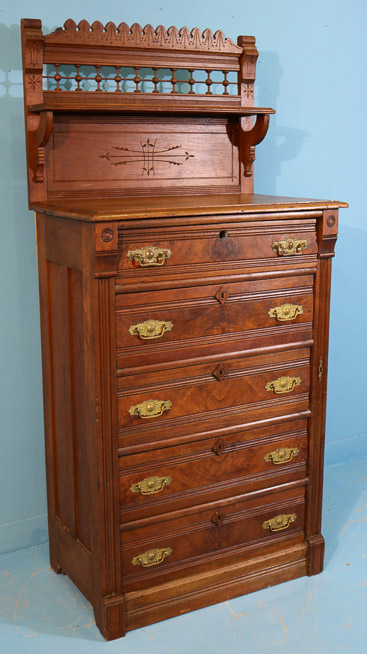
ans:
x=203 y=589
x=120 y=613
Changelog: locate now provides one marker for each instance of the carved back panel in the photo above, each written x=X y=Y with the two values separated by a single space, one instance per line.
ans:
x=97 y=100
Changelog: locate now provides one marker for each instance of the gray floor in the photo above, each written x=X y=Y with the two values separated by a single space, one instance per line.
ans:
x=43 y=613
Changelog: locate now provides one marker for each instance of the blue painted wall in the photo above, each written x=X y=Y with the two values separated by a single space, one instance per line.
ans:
x=312 y=70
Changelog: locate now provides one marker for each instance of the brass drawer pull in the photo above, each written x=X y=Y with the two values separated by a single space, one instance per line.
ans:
x=279 y=522
x=282 y=455
x=150 y=408
x=283 y=384
x=289 y=246
x=286 y=312
x=150 y=256
x=150 y=485
x=150 y=329
x=151 y=557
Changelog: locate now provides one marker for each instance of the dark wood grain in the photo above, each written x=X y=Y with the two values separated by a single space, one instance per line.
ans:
x=210 y=469
x=238 y=207
x=118 y=163
x=209 y=245
x=239 y=575
x=195 y=391
x=200 y=537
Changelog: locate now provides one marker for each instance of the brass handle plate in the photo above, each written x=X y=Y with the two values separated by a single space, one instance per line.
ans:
x=279 y=522
x=283 y=384
x=150 y=329
x=150 y=408
x=151 y=557
x=286 y=312
x=289 y=246
x=150 y=485
x=149 y=256
x=281 y=455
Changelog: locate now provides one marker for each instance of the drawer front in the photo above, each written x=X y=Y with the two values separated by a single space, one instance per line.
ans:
x=175 y=247
x=209 y=532
x=147 y=322
x=161 y=480
x=193 y=390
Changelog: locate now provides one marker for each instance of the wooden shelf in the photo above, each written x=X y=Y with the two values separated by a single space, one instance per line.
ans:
x=88 y=102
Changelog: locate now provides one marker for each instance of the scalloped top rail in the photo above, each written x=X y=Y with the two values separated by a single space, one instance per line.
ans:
x=143 y=37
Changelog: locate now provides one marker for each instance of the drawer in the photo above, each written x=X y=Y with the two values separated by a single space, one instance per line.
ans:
x=164 y=321
x=211 y=388
x=200 y=246
x=161 y=480
x=206 y=534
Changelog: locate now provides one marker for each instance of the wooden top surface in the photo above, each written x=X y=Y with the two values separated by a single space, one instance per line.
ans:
x=103 y=103
x=107 y=209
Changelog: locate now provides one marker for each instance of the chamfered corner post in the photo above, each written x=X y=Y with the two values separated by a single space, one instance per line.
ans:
x=109 y=603
x=327 y=230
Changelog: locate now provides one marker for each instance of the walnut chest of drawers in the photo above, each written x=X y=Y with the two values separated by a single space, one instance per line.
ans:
x=184 y=329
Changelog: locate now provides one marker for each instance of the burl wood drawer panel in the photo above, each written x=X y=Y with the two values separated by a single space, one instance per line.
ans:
x=196 y=247
x=192 y=390
x=203 y=535
x=205 y=470
x=153 y=326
